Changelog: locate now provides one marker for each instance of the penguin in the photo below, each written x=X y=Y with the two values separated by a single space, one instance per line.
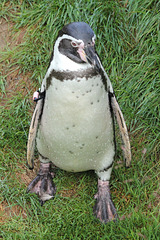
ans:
x=73 y=122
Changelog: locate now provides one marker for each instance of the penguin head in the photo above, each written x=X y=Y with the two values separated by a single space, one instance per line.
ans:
x=76 y=41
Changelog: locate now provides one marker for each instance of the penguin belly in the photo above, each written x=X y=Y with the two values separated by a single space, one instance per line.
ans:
x=76 y=128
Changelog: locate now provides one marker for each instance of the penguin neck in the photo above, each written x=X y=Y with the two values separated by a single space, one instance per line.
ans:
x=62 y=63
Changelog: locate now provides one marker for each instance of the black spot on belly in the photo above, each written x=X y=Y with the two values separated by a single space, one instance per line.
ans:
x=89 y=91
x=71 y=152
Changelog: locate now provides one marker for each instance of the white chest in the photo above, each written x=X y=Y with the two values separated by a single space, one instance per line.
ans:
x=76 y=130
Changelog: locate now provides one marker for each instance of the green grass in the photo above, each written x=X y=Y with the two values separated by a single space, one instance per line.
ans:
x=128 y=41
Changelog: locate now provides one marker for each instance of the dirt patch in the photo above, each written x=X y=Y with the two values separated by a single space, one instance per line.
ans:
x=27 y=175
x=156 y=194
x=4 y=34
x=7 y=212
x=14 y=81
x=17 y=83
x=71 y=193
x=7 y=38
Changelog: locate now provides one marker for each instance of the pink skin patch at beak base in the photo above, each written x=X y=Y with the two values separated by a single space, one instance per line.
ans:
x=82 y=54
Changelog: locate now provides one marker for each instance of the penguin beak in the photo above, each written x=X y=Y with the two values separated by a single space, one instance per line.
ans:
x=88 y=54
x=92 y=57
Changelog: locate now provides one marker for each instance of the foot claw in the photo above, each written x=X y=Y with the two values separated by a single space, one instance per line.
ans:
x=104 y=208
x=43 y=184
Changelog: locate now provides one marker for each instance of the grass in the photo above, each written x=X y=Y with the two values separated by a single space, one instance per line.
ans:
x=128 y=41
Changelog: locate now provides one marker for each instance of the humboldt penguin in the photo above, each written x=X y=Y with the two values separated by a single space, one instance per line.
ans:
x=73 y=123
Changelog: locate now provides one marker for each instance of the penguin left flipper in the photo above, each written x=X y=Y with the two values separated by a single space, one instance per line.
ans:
x=104 y=208
x=33 y=132
x=120 y=119
x=123 y=130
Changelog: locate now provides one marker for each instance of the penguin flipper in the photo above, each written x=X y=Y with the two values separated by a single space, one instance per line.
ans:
x=33 y=132
x=120 y=119
x=123 y=130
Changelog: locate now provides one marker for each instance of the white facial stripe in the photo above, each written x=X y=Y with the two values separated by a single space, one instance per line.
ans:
x=65 y=36
x=81 y=45
x=94 y=38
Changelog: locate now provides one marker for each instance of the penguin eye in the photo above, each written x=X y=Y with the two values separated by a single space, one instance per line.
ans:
x=74 y=44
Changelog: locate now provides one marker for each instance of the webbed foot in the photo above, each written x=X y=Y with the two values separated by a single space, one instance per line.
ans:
x=43 y=184
x=104 y=208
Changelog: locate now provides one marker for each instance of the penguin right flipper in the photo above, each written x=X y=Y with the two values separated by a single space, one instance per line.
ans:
x=33 y=132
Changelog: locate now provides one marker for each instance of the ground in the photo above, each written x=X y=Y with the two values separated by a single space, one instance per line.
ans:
x=15 y=82
x=144 y=203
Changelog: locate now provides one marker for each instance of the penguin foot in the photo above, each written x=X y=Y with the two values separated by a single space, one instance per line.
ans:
x=104 y=208
x=43 y=184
